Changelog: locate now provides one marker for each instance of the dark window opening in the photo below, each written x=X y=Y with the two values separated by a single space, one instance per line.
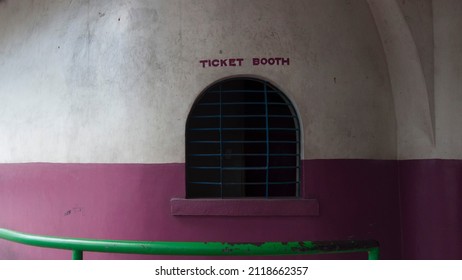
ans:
x=242 y=140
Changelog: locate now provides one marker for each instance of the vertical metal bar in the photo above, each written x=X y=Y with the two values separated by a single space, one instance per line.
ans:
x=267 y=141
x=299 y=152
x=77 y=255
x=373 y=253
x=221 y=145
x=294 y=115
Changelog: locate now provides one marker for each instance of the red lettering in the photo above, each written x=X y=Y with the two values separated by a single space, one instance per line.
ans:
x=233 y=62
x=203 y=62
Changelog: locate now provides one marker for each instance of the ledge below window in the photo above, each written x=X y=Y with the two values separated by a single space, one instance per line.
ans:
x=244 y=207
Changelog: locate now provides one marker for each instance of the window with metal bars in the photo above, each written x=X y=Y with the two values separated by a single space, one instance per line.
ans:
x=242 y=140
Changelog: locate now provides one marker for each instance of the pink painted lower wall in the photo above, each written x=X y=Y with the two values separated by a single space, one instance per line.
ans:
x=358 y=199
x=431 y=202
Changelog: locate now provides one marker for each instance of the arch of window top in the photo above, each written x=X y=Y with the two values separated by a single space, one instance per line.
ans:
x=242 y=141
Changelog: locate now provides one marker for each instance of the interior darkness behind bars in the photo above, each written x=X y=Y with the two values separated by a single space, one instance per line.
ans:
x=242 y=140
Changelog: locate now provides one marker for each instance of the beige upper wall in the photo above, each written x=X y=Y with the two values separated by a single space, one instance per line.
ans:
x=80 y=85
x=423 y=48
x=448 y=77
x=407 y=62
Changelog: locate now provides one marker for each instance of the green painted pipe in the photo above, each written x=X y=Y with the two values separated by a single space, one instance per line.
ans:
x=79 y=245
x=373 y=253
x=77 y=255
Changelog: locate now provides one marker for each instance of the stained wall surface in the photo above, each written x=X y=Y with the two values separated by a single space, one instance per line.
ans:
x=94 y=97
x=118 y=78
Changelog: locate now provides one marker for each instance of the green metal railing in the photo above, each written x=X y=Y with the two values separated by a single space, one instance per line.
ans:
x=80 y=245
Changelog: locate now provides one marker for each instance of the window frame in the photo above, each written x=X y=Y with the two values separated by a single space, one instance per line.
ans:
x=297 y=205
x=265 y=173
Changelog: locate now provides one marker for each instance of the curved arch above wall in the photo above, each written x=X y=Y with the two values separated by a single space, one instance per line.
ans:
x=413 y=98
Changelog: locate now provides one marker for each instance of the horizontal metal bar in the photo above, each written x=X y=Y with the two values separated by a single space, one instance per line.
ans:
x=284 y=167
x=205 y=167
x=282 y=115
x=204 y=155
x=271 y=155
x=242 y=167
x=249 y=155
x=277 y=142
x=283 y=129
x=204 y=129
x=243 y=142
x=243 y=129
x=242 y=155
x=205 y=117
x=234 y=103
x=204 y=141
x=260 y=183
x=245 y=168
x=193 y=248
x=206 y=183
x=230 y=116
x=242 y=103
x=242 y=116
x=283 y=183
x=230 y=103
x=243 y=91
x=244 y=183
x=228 y=168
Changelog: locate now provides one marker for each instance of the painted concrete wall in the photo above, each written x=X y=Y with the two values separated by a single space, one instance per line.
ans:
x=427 y=109
x=410 y=92
x=423 y=57
x=431 y=197
x=431 y=207
x=113 y=82
x=132 y=201
x=448 y=82
x=119 y=78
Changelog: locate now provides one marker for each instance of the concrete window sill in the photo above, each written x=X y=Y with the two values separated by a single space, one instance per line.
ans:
x=244 y=207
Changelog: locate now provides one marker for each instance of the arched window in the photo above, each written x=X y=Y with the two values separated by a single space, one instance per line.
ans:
x=242 y=140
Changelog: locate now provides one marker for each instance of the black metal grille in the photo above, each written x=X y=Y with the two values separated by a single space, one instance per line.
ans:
x=242 y=140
